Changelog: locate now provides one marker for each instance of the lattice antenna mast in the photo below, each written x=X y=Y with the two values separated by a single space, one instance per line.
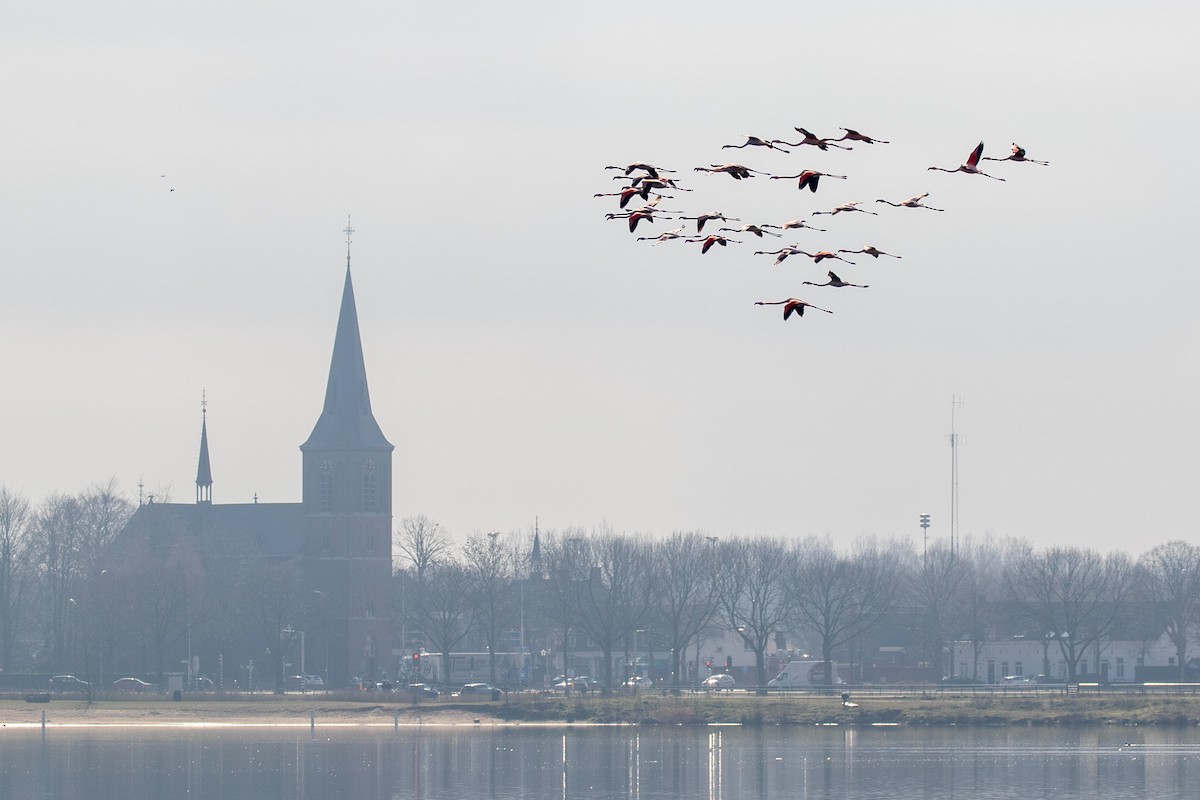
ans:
x=955 y=402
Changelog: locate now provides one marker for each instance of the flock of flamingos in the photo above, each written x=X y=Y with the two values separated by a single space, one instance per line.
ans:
x=652 y=184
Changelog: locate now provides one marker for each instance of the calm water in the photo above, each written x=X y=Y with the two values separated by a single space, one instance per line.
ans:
x=483 y=762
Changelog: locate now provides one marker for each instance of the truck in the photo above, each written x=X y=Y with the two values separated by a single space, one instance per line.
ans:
x=802 y=675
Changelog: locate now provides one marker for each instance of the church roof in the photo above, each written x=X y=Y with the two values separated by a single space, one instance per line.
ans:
x=270 y=529
x=346 y=421
x=204 y=469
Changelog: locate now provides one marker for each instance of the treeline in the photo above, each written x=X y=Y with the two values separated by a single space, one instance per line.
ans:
x=831 y=599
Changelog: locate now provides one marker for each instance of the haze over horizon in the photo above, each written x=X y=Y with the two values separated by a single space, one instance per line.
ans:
x=179 y=178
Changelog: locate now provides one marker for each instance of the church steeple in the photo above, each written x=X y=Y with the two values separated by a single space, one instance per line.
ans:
x=204 y=469
x=346 y=420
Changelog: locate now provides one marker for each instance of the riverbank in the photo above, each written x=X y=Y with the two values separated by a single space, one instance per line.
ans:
x=690 y=709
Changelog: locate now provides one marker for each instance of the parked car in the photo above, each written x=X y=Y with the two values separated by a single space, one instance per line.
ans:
x=639 y=682
x=305 y=683
x=422 y=691
x=68 y=683
x=580 y=683
x=1015 y=680
x=484 y=691
x=131 y=685
x=719 y=682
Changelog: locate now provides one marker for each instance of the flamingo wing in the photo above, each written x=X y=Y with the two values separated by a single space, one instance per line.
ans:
x=973 y=161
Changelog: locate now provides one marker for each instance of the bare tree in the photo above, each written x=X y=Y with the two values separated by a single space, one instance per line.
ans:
x=422 y=542
x=753 y=592
x=15 y=570
x=442 y=609
x=58 y=545
x=617 y=594
x=1171 y=580
x=686 y=599
x=1074 y=592
x=273 y=599
x=936 y=588
x=491 y=571
x=839 y=597
x=566 y=565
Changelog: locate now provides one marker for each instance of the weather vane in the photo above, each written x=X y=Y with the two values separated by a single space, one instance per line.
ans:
x=203 y=402
x=348 y=231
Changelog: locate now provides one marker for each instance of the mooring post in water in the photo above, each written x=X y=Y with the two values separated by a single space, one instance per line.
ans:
x=395 y=721
x=43 y=724
x=312 y=721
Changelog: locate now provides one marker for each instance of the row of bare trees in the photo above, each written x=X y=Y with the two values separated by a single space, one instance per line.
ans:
x=827 y=598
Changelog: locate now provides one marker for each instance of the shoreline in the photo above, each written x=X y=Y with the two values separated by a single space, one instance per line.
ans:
x=540 y=711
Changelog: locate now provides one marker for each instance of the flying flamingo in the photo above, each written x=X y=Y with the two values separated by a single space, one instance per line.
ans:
x=754 y=141
x=664 y=237
x=972 y=165
x=846 y=207
x=1018 y=154
x=757 y=230
x=649 y=169
x=781 y=254
x=912 y=202
x=628 y=193
x=855 y=136
x=703 y=218
x=872 y=251
x=808 y=178
x=815 y=141
x=790 y=305
x=836 y=282
x=650 y=183
x=800 y=223
x=709 y=241
x=735 y=171
x=821 y=254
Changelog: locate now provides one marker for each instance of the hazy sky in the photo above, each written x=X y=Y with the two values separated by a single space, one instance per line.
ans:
x=528 y=357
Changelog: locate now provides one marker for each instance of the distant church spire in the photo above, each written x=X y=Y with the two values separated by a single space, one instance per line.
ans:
x=346 y=420
x=204 y=469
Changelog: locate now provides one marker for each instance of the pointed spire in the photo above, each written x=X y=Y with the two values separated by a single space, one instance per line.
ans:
x=346 y=420
x=204 y=469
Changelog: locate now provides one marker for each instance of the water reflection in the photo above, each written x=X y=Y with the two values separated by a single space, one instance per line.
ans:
x=722 y=763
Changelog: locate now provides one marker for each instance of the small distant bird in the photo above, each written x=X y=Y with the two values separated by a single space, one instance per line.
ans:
x=836 y=282
x=649 y=169
x=808 y=178
x=790 y=305
x=800 y=223
x=709 y=241
x=703 y=218
x=846 y=207
x=815 y=141
x=754 y=141
x=735 y=171
x=912 y=202
x=855 y=136
x=1018 y=154
x=757 y=230
x=872 y=251
x=971 y=167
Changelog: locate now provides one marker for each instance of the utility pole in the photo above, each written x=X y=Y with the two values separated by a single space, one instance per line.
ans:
x=954 y=536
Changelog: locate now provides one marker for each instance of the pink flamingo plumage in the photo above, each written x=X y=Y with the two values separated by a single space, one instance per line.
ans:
x=754 y=141
x=1018 y=154
x=792 y=304
x=808 y=178
x=872 y=251
x=735 y=171
x=709 y=241
x=855 y=136
x=971 y=167
x=815 y=141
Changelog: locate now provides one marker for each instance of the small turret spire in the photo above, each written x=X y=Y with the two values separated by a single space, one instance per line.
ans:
x=204 y=469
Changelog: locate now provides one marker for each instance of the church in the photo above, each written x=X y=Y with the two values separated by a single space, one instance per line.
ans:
x=303 y=586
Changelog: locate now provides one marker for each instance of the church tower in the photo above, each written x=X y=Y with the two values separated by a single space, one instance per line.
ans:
x=348 y=516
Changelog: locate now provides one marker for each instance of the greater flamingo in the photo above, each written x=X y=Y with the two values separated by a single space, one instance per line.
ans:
x=808 y=178
x=703 y=218
x=836 y=282
x=649 y=169
x=815 y=141
x=1018 y=154
x=735 y=171
x=678 y=233
x=846 y=207
x=800 y=223
x=855 y=136
x=872 y=251
x=709 y=241
x=971 y=167
x=754 y=141
x=912 y=202
x=790 y=305
x=757 y=230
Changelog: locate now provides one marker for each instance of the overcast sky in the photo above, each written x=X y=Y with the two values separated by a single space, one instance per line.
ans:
x=529 y=358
